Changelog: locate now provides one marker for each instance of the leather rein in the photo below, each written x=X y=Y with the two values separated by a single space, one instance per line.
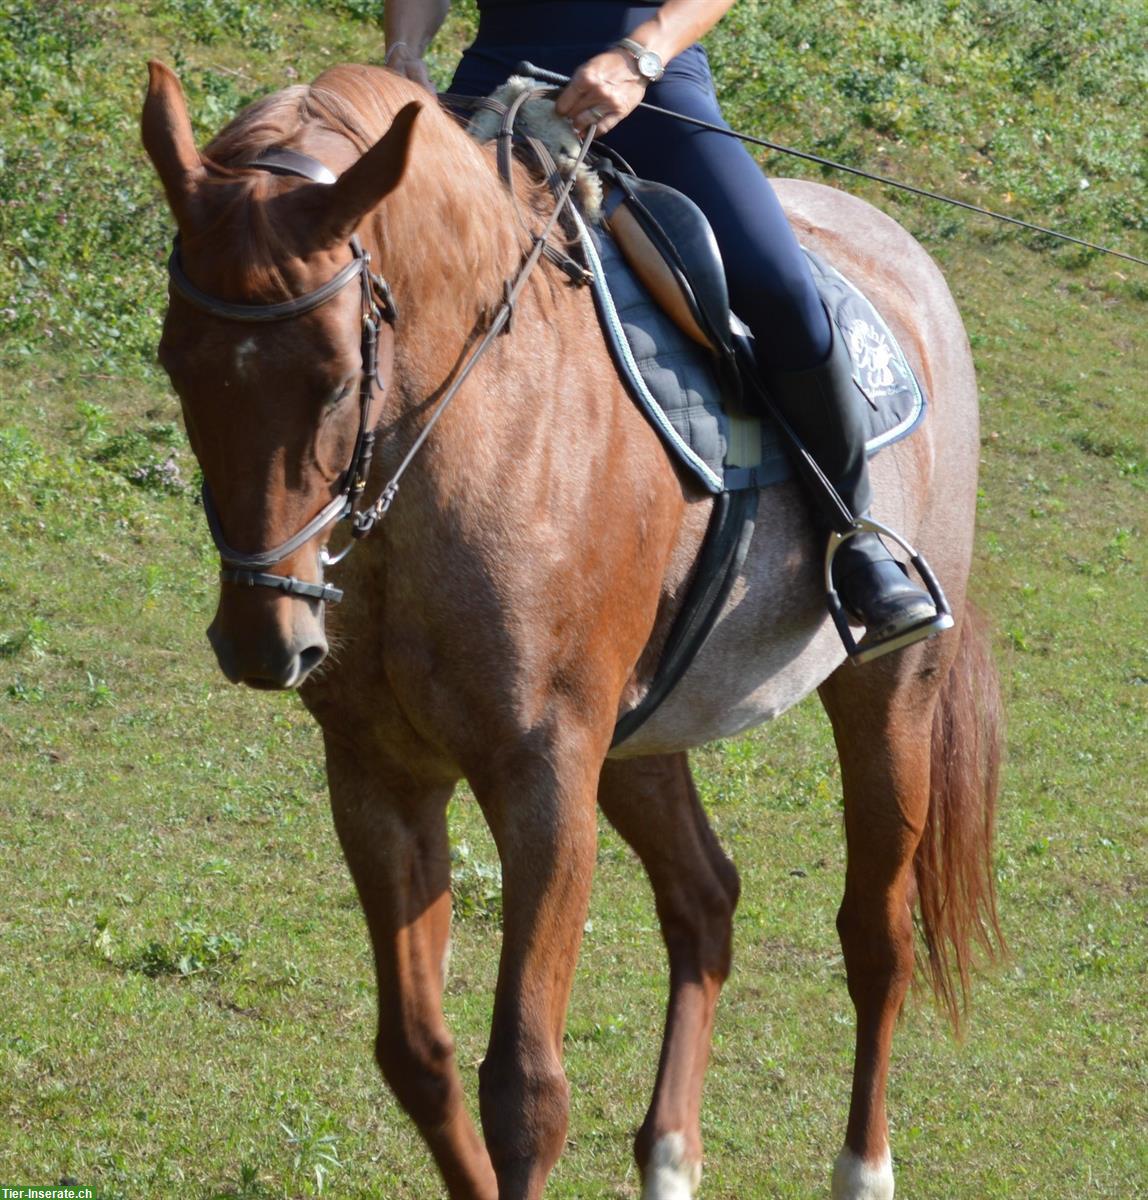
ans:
x=378 y=307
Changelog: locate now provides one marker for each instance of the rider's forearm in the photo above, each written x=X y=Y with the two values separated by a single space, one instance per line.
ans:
x=413 y=23
x=678 y=24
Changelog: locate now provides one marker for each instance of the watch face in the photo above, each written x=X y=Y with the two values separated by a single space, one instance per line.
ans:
x=650 y=65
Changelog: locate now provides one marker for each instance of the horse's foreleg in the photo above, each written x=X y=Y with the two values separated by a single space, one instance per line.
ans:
x=653 y=804
x=394 y=837
x=540 y=807
x=884 y=752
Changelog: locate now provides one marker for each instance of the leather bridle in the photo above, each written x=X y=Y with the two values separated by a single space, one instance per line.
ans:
x=378 y=308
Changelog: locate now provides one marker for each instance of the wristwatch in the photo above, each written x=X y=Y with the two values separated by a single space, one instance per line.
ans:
x=647 y=62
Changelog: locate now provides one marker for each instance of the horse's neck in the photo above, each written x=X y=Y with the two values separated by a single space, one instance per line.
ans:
x=448 y=235
x=539 y=402
x=449 y=242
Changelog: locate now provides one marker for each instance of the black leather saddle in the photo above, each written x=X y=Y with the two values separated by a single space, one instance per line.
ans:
x=668 y=243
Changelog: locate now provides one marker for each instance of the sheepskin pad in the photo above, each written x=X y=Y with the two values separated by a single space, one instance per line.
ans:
x=537 y=118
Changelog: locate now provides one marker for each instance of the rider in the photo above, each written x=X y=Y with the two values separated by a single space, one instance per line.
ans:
x=619 y=54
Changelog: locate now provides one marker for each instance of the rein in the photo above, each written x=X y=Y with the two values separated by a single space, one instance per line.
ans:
x=511 y=291
x=379 y=307
x=529 y=69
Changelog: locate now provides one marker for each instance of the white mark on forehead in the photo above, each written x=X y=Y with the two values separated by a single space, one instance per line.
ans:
x=244 y=356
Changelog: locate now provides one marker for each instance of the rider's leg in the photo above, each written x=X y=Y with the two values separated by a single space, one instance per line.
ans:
x=871 y=584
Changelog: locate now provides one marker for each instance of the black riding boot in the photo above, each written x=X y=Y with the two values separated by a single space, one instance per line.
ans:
x=823 y=406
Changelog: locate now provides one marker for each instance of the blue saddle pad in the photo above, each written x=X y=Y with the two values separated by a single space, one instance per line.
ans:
x=673 y=381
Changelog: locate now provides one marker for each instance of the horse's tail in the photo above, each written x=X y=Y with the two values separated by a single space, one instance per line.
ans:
x=954 y=861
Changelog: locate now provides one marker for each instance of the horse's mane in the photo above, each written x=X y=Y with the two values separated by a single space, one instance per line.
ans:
x=457 y=220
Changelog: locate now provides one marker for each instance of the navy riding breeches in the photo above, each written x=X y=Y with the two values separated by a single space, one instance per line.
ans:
x=770 y=285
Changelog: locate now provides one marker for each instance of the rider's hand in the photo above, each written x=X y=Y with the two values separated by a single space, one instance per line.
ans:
x=606 y=89
x=403 y=60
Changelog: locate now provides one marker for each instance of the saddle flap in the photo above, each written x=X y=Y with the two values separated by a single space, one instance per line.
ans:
x=668 y=243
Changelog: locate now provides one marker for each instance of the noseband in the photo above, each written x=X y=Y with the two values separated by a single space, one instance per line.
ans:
x=378 y=307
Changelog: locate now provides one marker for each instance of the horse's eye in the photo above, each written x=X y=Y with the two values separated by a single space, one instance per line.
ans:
x=339 y=394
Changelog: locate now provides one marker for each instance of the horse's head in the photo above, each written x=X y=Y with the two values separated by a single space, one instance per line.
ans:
x=264 y=342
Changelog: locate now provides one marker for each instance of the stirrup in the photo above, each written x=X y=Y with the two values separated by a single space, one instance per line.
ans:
x=865 y=651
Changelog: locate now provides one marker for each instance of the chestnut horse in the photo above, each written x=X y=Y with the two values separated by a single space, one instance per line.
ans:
x=513 y=603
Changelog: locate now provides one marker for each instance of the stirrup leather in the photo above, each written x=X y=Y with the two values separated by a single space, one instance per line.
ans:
x=863 y=651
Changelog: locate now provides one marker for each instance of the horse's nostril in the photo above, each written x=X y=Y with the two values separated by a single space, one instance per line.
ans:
x=288 y=674
x=310 y=658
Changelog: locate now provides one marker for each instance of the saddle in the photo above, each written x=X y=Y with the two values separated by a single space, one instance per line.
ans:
x=659 y=284
x=669 y=245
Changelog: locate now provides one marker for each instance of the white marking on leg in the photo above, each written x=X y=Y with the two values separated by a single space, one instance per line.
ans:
x=669 y=1175
x=856 y=1179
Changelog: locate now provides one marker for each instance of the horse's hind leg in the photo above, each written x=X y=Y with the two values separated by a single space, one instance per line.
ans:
x=653 y=804
x=882 y=726
x=394 y=837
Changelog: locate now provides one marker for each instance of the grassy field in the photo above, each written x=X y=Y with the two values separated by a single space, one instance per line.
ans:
x=187 y=1001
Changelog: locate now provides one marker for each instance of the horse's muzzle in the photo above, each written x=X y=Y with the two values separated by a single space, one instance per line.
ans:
x=273 y=653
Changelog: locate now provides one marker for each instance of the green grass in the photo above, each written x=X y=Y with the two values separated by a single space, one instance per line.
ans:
x=187 y=997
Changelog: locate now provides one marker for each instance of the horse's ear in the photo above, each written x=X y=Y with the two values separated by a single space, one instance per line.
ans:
x=361 y=187
x=170 y=142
